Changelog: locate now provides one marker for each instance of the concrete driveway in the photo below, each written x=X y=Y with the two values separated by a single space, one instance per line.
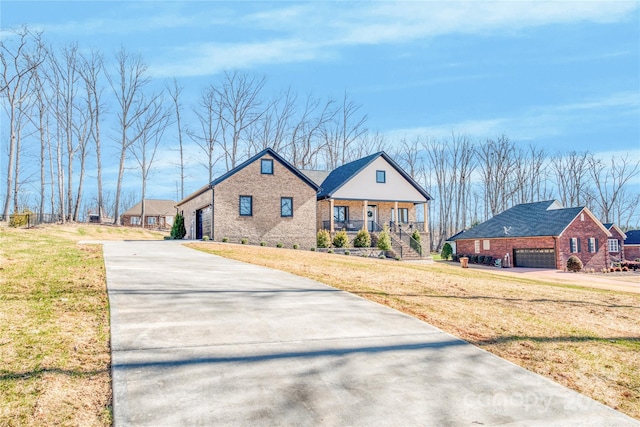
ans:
x=202 y=340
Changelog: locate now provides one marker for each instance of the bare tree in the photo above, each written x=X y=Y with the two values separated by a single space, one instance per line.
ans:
x=496 y=160
x=610 y=181
x=175 y=92
x=339 y=134
x=239 y=108
x=150 y=127
x=20 y=56
x=571 y=175
x=274 y=127
x=128 y=83
x=529 y=174
x=305 y=142
x=209 y=128
x=90 y=69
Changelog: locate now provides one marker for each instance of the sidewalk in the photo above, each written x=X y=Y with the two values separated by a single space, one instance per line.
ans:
x=202 y=340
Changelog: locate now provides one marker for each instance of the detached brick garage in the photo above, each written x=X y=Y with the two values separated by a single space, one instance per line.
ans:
x=539 y=235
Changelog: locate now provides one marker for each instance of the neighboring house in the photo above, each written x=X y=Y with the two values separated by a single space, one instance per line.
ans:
x=540 y=235
x=615 y=243
x=265 y=199
x=368 y=193
x=632 y=245
x=157 y=214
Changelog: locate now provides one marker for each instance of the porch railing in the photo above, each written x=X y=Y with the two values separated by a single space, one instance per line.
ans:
x=354 y=226
x=409 y=227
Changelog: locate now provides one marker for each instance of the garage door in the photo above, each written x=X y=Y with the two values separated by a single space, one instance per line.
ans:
x=534 y=258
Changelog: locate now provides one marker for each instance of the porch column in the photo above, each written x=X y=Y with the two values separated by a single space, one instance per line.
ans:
x=364 y=213
x=331 y=219
x=395 y=215
x=425 y=217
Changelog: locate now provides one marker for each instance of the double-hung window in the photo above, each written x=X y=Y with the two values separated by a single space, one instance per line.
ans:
x=476 y=246
x=613 y=245
x=135 y=220
x=574 y=245
x=341 y=213
x=286 y=206
x=246 y=206
x=151 y=220
x=403 y=215
x=593 y=245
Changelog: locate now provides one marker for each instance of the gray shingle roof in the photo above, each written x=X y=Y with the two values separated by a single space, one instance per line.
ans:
x=525 y=220
x=633 y=237
x=153 y=207
x=316 y=176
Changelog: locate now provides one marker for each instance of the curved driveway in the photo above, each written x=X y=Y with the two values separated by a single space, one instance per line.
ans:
x=202 y=340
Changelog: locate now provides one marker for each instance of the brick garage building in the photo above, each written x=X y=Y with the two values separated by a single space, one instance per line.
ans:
x=265 y=199
x=157 y=214
x=539 y=235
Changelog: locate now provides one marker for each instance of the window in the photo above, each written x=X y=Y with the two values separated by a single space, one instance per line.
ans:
x=341 y=213
x=403 y=215
x=477 y=246
x=593 y=245
x=486 y=245
x=286 y=206
x=574 y=245
x=266 y=167
x=135 y=220
x=246 y=205
x=151 y=220
x=381 y=177
x=613 y=245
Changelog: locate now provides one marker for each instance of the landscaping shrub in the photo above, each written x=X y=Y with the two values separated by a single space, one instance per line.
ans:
x=574 y=264
x=323 y=239
x=263 y=243
x=416 y=236
x=488 y=260
x=481 y=259
x=244 y=241
x=295 y=246
x=455 y=257
x=19 y=219
x=384 y=240
x=177 y=230
x=225 y=239
x=347 y=252
x=279 y=245
x=312 y=249
x=362 y=240
x=205 y=238
x=341 y=240
x=473 y=259
x=446 y=252
x=330 y=251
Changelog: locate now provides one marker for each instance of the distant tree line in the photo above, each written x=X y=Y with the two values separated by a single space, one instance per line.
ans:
x=57 y=100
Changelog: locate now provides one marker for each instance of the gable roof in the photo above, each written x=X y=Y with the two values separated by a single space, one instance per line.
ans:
x=316 y=176
x=610 y=225
x=277 y=157
x=153 y=207
x=341 y=175
x=546 y=218
x=633 y=237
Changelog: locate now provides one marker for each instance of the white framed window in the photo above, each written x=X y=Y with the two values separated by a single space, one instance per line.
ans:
x=574 y=245
x=135 y=220
x=151 y=220
x=593 y=245
x=476 y=245
x=486 y=245
x=613 y=245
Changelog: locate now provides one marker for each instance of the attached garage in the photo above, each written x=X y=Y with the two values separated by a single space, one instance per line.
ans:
x=534 y=258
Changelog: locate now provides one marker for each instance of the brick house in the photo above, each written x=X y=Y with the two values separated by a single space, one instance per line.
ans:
x=632 y=245
x=263 y=199
x=615 y=243
x=157 y=214
x=541 y=235
x=370 y=192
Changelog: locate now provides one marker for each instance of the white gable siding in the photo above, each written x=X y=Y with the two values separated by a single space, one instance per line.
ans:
x=363 y=186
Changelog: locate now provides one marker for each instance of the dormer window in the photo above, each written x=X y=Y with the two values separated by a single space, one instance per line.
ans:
x=266 y=167
x=381 y=177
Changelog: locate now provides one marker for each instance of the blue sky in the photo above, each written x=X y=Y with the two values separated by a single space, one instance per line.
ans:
x=560 y=75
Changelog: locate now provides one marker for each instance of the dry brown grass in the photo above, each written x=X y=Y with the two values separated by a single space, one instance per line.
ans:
x=54 y=325
x=586 y=339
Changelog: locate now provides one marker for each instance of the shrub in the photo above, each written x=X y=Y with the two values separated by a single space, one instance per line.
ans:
x=263 y=243
x=347 y=252
x=225 y=239
x=416 y=236
x=574 y=264
x=455 y=257
x=481 y=259
x=279 y=245
x=312 y=249
x=295 y=246
x=362 y=240
x=178 y=231
x=205 y=238
x=244 y=241
x=330 y=251
x=625 y=269
x=381 y=256
x=384 y=240
x=446 y=252
x=488 y=260
x=323 y=239
x=341 y=240
x=473 y=259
